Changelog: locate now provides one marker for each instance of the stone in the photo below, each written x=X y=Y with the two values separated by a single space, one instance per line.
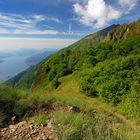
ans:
x=74 y=109
x=13 y=118
x=12 y=127
x=23 y=130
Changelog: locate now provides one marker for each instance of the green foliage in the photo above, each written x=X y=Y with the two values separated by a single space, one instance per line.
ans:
x=54 y=83
x=110 y=80
x=21 y=103
x=130 y=105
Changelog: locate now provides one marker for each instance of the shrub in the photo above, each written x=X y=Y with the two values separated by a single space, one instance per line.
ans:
x=54 y=83
x=130 y=105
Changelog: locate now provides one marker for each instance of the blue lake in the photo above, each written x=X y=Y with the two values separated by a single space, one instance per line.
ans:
x=11 y=66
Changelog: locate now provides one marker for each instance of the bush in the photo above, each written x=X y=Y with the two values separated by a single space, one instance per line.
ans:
x=110 y=80
x=54 y=83
x=130 y=105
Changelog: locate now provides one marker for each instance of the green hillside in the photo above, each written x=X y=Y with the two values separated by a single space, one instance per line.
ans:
x=74 y=115
x=105 y=64
x=89 y=90
x=108 y=68
x=24 y=79
x=122 y=41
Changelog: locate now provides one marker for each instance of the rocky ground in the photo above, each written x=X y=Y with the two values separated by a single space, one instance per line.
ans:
x=28 y=131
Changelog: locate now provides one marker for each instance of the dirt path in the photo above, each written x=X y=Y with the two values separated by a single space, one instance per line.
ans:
x=69 y=86
x=129 y=123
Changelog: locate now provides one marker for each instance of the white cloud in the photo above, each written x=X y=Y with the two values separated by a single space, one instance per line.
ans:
x=36 y=43
x=128 y=4
x=54 y=19
x=18 y=24
x=28 y=32
x=97 y=13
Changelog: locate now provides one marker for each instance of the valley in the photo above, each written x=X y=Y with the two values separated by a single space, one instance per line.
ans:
x=13 y=63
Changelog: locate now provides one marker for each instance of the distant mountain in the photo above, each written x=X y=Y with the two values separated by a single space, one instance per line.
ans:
x=36 y=58
x=25 y=52
x=4 y=54
x=20 y=52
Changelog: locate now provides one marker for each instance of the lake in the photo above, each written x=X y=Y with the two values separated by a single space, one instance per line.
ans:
x=11 y=66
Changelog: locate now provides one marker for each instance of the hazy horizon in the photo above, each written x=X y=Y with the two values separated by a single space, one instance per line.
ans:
x=11 y=44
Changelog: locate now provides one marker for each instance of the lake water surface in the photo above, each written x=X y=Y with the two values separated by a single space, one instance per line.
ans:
x=12 y=66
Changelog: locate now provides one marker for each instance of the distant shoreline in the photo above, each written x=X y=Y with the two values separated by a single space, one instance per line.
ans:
x=11 y=66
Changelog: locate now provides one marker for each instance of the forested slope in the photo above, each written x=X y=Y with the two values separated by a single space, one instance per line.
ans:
x=108 y=68
x=105 y=64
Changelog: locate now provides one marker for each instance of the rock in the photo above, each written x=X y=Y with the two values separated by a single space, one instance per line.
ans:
x=74 y=109
x=49 y=125
x=29 y=131
x=12 y=127
x=93 y=113
x=4 y=129
x=13 y=118
x=22 y=123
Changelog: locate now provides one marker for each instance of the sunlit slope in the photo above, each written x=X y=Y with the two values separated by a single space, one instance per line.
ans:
x=24 y=79
x=121 y=41
x=105 y=65
x=108 y=69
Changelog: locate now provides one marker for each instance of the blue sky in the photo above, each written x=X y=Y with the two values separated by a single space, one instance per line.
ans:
x=67 y=20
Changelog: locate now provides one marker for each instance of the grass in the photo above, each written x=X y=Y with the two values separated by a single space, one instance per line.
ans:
x=70 y=126
x=40 y=118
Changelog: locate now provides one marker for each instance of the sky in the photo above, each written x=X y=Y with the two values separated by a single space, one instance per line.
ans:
x=58 y=23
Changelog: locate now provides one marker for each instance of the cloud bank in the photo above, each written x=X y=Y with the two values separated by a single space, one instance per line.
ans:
x=97 y=13
x=19 y=24
x=16 y=24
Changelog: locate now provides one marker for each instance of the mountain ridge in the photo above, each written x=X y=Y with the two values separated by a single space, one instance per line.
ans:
x=105 y=67
x=89 y=90
x=19 y=78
